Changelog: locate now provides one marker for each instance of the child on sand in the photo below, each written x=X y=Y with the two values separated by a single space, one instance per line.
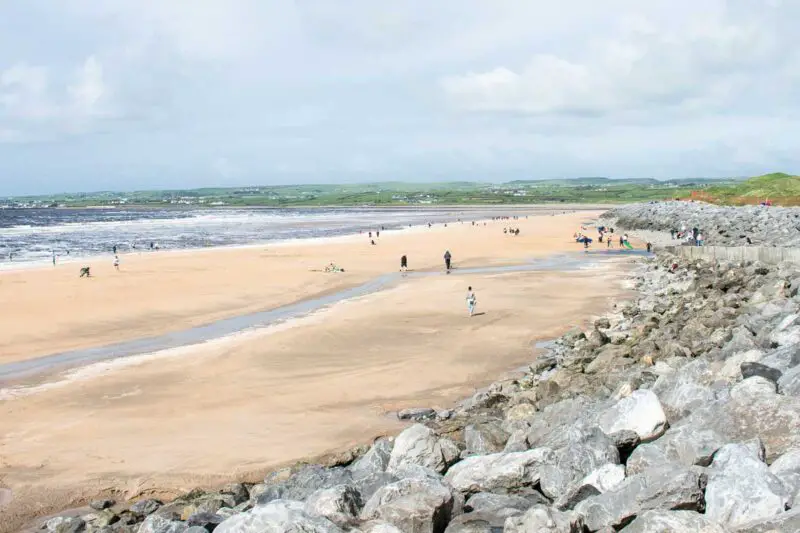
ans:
x=116 y=262
x=472 y=301
x=403 y=264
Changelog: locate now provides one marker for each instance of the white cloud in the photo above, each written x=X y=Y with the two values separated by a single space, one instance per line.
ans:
x=89 y=93
x=708 y=63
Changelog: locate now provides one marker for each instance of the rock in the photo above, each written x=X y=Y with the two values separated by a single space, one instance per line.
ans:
x=481 y=522
x=418 y=505
x=788 y=522
x=99 y=505
x=420 y=445
x=753 y=410
x=378 y=526
x=663 y=488
x=789 y=383
x=597 y=338
x=145 y=507
x=444 y=414
x=682 y=391
x=305 y=482
x=640 y=412
x=488 y=502
x=238 y=491
x=521 y=412
x=732 y=368
x=340 y=504
x=787 y=469
x=507 y=471
x=625 y=441
x=374 y=461
x=757 y=369
x=541 y=519
x=196 y=529
x=661 y=521
x=158 y=524
x=100 y=519
x=606 y=478
x=208 y=521
x=602 y=323
x=483 y=438
x=416 y=413
x=683 y=445
x=278 y=516
x=368 y=485
x=571 y=337
x=741 y=488
x=587 y=451
x=65 y=524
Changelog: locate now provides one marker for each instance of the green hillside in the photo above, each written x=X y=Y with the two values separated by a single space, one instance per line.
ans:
x=779 y=187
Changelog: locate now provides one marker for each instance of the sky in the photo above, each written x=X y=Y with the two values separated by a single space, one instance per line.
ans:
x=142 y=94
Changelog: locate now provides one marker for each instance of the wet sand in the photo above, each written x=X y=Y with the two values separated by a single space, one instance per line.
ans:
x=235 y=408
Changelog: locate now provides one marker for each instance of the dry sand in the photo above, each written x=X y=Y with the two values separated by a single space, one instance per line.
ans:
x=233 y=408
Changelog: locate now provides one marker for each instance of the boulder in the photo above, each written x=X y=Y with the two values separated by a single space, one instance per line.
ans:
x=416 y=413
x=237 y=491
x=305 y=482
x=625 y=441
x=750 y=369
x=606 y=478
x=157 y=524
x=279 y=516
x=661 y=521
x=787 y=469
x=418 y=505
x=65 y=524
x=208 y=521
x=340 y=504
x=684 y=445
x=421 y=446
x=685 y=389
x=481 y=522
x=587 y=451
x=490 y=502
x=377 y=526
x=658 y=488
x=789 y=383
x=540 y=518
x=640 y=412
x=754 y=410
x=145 y=507
x=99 y=505
x=374 y=461
x=485 y=437
x=788 y=522
x=741 y=488
x=505 y=471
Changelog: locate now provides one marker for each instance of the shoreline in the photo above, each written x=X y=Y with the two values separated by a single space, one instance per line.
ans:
x=45 y=263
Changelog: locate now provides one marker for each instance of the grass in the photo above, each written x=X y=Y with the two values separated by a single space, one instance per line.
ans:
x=778 y=187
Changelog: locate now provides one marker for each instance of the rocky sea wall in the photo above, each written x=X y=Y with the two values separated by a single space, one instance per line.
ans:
x=721 y=226
x=678 y=411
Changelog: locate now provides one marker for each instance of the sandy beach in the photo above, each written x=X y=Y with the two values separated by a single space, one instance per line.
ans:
x=234 y=408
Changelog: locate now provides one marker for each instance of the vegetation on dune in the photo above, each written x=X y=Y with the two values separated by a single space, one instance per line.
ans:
x=778 y=188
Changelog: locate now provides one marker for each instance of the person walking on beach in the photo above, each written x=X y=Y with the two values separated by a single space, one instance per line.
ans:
x=54 y=258
x=447 y=258
x=85 y=272
x=403 y=263
x=116 y=262
x=472 y=301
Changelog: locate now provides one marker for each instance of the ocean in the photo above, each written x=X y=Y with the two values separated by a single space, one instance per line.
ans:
x=33 y=236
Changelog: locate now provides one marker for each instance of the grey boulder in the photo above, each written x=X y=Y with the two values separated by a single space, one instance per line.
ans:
x=587 y=451
x=658 y=488
x=506 y=471
x=419 y=445
x=741 y=488
x=159 y=524
x=416 y=505
x=640 y=412
x=340 y=504
x=483 y=438
x=541 y=519
x=660 y=521
x=787 y=469
x=279 y=516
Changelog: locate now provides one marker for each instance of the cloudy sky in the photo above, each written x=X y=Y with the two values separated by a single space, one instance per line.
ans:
x=131 y=94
